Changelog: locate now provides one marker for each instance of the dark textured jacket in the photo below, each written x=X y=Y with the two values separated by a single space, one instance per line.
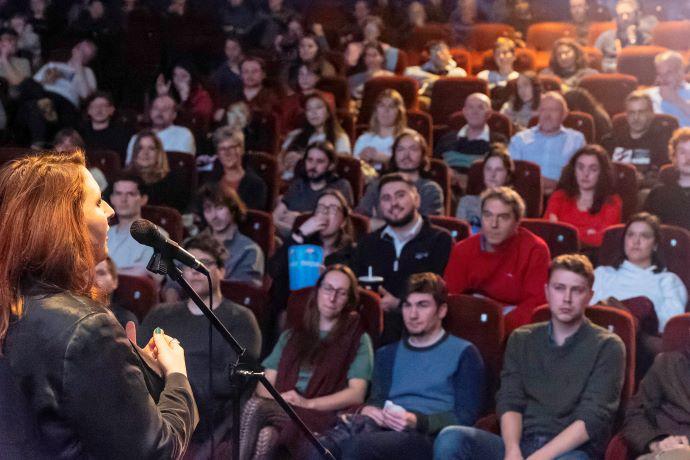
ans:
x=82 y=391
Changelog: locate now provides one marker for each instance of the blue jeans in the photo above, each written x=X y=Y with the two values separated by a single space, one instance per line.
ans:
x=464 y=442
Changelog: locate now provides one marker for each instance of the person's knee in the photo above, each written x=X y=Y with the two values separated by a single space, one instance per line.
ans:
x=451 y=442
x=573 y=455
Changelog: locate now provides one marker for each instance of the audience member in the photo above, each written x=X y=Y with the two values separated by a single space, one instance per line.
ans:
x=585 y=196
x=568 y=62
x=428 y=380
x=407 y=244
x=223 y=210
x=372 y=33
x=373 y=56
x=672 y=93
x=28 y=41
x=641 y=272
x=105 y=279
x=632 y=28
x=303 y=81
x=238 y=17
x=411 y=159
x=440 y=64
x=504 y=261
x=194 y=101
x=523 y=103
x=102 y=131
x=68 y=139
x=548 y=144
x=504 y=58
x=581 y=100
x=150 y=162
x=560 y=384
x=314 y=174
x=209 y=356
x=321 y=365
x=255 y=92
x=13 y=68
x=671 y=201
x=311 y=51
x=460 y=149
x=226 y=80
x=230 y=172
x=321 y=125
x=640 y=142
x=388 y=120
x=498 y=170
x=173 y=137
x=463 y=18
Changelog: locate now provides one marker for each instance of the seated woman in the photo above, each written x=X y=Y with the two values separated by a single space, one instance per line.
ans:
x=568 y=62
x=330 y=227
x=230 y=172
x=150 y=162
x=374 y=60
x=302 y=80
x=504 y=58
x=499 y=170
x=320 y=366
x=372 y=30
x=67 y=140
x=585 y=197
x=410 y=157
x=641 y=272
x=582 y=100
x=321 y=124
x=523 y=103
x=194 y=100
x=388 y=119
x=310 y=51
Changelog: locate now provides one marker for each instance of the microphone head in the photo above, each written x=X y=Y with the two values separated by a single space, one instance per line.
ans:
x=145 y=232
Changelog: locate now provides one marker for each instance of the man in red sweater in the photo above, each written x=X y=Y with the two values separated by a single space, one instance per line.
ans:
x=503 y=261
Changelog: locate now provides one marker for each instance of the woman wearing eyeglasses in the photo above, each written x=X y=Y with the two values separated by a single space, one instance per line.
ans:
x=320 y=366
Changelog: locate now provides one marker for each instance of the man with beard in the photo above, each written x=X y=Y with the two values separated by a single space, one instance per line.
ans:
x=408 y=244
x=560 y=384
x=315 y=174
x=174 y=138
x=503 y=261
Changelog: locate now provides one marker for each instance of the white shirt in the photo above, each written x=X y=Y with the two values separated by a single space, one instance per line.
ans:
x=399 y=241
x=174 y=138
x=370 y=139
x=69 y=82
x=666 y=290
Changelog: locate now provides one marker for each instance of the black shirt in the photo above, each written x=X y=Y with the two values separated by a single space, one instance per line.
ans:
x=115 y=137
x=671 y=203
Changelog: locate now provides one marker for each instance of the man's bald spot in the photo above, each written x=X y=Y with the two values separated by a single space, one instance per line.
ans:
x=480 y=97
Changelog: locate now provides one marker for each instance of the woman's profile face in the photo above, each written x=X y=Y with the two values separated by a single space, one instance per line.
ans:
x=96 y=214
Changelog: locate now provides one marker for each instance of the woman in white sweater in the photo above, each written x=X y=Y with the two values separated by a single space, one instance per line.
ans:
x=641 y=272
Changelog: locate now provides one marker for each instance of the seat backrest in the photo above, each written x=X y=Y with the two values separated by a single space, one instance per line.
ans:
x=610 y=89
x=421 y=35
x=676 y=334
x=596 y=28
x=674 y=249
x=617 y=321
x=350 y=168
x=583 y=122
x=136 y=293
x=266 y=166
x=255 y=298
x=668 y=174
x=338 y=87
x=626 y=185
x=462 y=58
x=168 y=218
x=105 y=160
x=406 y=86
x=482 y=37
x=422 y=123
x=185 y=164
x=439 y=172
x=402 y=63
x=258 y=225
x=639 y=61
x=449 y=95
x=674 y=35
x=360 y=223
x=459 y=229
x=541 y=35
x=551 y=83
x=560 y=237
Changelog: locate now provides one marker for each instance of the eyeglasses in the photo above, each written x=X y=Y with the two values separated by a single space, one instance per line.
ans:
x=332 y=209
x=330 y=290
x=206 y=262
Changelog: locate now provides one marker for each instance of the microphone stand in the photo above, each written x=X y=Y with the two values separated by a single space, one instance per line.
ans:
x=244 y=371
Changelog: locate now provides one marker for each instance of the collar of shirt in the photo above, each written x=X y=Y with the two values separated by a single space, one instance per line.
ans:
x=537 y=131
x=485 y=136
x=569 y=339
x=399 y=241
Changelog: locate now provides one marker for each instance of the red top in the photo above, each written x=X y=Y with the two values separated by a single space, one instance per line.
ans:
x=514 y=274
x=590 y=227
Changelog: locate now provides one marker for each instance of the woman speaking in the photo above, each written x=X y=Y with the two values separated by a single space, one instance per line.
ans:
x=87 y=390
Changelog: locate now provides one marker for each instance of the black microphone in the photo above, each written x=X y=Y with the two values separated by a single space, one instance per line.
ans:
x=148 y=234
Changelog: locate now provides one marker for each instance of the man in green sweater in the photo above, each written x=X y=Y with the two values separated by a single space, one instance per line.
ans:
x=560 y=384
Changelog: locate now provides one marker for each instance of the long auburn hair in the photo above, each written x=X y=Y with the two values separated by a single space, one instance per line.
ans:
x=604 y=188
x=306 y=333
x=43 y=235
x=162 y=166
x=332 y=127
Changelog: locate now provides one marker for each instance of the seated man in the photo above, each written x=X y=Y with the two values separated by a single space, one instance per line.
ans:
x=408 y=244
x=560 y=384
x=316 y=173
x=185 y=321
x=672 y=95
x=174 y=138
x=421 y=384
x=548 y=144
x=460 y=149
x=105 y=279
x=504 y=261
x=640 y=143
x=657 y=419
x=440 y=64
x=101 y=131
x=671 y=201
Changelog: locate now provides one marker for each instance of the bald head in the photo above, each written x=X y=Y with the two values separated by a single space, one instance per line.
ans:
x=477 y=110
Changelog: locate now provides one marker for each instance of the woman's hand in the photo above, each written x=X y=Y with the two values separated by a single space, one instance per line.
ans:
x=296 y=399
x=162 y=86
x=168 y=352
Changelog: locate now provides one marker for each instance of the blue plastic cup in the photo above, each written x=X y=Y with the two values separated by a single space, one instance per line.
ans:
x=305 y=261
